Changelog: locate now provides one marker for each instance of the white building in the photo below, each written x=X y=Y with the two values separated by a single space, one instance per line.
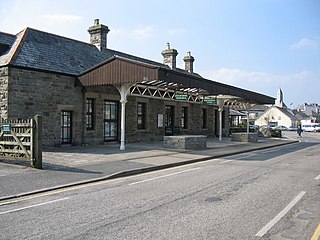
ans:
x=278 y=114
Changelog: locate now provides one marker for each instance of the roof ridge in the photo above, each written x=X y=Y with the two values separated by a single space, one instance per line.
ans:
x=17 y=47
x=60 y=36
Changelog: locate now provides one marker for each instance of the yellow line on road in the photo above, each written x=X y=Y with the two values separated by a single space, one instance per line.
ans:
x=316 y=234
x=68 y=189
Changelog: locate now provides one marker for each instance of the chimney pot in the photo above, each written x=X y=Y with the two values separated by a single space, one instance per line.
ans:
x=98 y=35
x=188 y=62
x=169 y=56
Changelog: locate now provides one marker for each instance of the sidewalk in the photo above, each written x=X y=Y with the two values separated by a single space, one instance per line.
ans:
x=70 y=166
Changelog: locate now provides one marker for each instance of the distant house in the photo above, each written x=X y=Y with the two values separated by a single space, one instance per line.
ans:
x=310 y=112
x=278 y=114
x=239 y=117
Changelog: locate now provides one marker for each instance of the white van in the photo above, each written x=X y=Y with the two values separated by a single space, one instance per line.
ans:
x=311 y=127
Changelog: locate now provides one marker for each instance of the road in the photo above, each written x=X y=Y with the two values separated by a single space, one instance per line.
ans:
x=268 y=194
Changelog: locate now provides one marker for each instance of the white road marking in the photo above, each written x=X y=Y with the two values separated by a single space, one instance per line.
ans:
x=226 y=161
x=32 y=206
x=266 y=228
x=167 y=175
x=317 y=178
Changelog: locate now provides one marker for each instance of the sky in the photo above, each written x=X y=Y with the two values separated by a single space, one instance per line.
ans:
x=258 y=45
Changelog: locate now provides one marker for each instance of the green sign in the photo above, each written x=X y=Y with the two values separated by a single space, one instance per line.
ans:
x=181 y=96
x=6 y=128
x=210 y=101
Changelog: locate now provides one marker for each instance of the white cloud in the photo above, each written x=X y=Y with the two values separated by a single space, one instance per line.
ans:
x=267 y=83
x=144 y=32
x=306 y=43
x=62 y=18
x=238 y=76
x=138 y=33
x=176 y=31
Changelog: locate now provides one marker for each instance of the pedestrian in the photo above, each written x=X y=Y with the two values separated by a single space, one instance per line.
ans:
x=299 y=131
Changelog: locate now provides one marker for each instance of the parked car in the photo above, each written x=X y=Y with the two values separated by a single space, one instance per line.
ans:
x=292 y=128
x=271 y=126
x=312 y=127
x=253 y=128
x=282 y=128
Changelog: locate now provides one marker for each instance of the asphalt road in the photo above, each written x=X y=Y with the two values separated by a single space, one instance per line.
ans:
x=268 y=194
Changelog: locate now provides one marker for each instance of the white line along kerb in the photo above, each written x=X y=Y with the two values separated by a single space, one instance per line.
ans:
x=281 y=214
x=32 y=206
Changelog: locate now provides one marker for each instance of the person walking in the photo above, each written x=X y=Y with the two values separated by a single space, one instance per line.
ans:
x=299 y=131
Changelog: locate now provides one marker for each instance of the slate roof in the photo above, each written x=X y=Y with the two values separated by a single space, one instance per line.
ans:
x=49 y=52
x=286 y=112
x=55 y=53
x=7 y=39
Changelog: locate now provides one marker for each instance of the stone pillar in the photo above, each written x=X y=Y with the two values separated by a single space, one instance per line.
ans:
x=169 y=57
x=98 y=35
x=188 y=62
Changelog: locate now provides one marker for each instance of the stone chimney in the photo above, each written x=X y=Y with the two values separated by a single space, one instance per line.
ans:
x=169 y=57
x=188 y=62
x=98 y=35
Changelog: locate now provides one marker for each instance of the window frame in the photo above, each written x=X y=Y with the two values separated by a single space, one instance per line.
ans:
x=90 y=114
x=141 y=115
x=184 y=118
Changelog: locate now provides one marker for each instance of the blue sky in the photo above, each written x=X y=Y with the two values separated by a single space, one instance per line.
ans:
x=259 y=45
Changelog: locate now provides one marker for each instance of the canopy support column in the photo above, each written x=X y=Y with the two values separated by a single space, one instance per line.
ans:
x=124 y=91
x=220 y=104
x=248 y=114
x=248 y=107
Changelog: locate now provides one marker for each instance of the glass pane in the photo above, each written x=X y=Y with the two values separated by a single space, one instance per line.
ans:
x=113 y=111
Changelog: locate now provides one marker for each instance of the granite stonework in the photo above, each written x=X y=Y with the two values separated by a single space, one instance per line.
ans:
x=25 y=93
x=244 y=137
x=46 y=94
x=188 y=142
x=4 y=79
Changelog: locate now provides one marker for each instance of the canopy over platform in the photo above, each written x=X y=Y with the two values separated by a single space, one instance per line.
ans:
x=120 y=70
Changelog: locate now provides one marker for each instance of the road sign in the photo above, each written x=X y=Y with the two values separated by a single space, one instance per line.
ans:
x=181 y=97
x=210 y=101
x=6 y=128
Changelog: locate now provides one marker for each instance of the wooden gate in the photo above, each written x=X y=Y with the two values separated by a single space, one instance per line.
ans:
x=21 y=139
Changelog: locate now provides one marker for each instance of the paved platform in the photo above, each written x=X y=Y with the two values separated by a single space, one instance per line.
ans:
x=73 y=165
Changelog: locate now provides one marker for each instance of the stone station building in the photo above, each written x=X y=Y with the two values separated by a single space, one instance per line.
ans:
x=89 y=94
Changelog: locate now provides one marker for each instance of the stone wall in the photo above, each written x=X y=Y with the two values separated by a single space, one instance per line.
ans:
x=188 y=142
x=4 y=76
x=99 y=94
x=32 y=92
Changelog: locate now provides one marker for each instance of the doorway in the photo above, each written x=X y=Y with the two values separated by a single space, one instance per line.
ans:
x=66 y=127
x=110 y=121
